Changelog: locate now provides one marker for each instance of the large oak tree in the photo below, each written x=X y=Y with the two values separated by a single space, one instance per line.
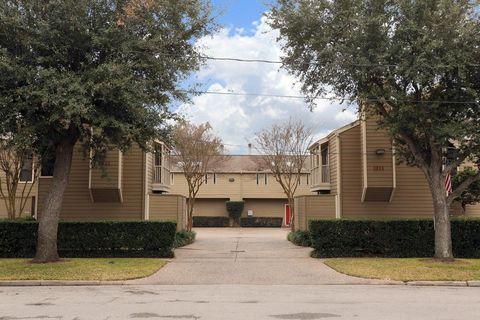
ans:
x=413 y=64
x=99 y=73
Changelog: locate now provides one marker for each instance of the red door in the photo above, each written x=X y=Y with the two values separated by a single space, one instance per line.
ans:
x=288 y=215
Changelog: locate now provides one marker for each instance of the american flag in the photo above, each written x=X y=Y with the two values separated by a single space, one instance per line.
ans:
x=448 y=184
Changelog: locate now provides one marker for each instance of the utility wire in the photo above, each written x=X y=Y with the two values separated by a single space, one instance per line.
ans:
x=268 y=61
x=231 y=93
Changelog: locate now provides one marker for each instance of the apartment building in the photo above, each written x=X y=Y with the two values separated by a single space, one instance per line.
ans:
x=133 y=185
x=355 y=175
x=240 y=177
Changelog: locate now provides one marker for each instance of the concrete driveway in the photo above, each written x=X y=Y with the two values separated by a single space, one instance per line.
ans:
x=247 y=256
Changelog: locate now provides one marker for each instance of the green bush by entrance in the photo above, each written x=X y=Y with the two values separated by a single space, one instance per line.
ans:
x=235 y=209
x=92 y=239
x=390 y=238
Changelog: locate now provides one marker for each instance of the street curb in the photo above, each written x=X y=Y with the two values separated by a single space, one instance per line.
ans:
x=57 y=283
x=443 y=283
x=53 y=283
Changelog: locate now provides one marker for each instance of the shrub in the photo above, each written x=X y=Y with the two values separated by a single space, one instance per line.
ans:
x=390 y=238
x=183 y=238
x=92 y=239
x=261 y=222
x=211 y=222
x=300 y=238
x=235 y=209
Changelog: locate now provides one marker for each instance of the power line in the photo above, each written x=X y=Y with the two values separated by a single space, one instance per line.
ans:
x=268 y=61
x=231 y=93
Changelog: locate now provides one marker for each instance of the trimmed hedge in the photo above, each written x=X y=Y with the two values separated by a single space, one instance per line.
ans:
x=211 y=222
x=183 y=238
x=390 y=238
x=261 y=222
x=300 y=238
x=92 y=239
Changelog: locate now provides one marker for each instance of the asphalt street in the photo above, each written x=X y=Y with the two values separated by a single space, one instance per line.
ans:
x=240 y=302
x=242 y=274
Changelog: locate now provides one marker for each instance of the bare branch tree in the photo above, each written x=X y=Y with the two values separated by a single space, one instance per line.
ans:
x=284 y=150
x=17 y=178
x=196 y=151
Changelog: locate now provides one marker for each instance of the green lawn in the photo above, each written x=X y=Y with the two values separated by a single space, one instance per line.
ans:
x=407 y=269
x=80 y=269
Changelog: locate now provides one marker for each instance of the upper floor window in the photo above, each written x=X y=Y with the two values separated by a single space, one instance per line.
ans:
x=48 y=163
x=26 y=172
x=158 y=156
x=262 y=178
x=324 y=153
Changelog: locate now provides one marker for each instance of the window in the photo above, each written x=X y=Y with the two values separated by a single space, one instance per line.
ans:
x=206 y=178
x=171 y=178
x=158 y=156
x=265 y=178
x=214 y=178
x=47 y=165
x=307 y=178
x=324 y=153
x=26 y=172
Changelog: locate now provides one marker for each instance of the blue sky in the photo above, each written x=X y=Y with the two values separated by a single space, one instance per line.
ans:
x=246 y=34
x=239 y=13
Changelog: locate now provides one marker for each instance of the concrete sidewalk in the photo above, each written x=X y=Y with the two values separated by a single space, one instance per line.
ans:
x=247 y=256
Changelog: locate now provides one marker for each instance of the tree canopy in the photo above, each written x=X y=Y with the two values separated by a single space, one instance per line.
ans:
x=67 y=66
x=413 y=65
x=100 y=73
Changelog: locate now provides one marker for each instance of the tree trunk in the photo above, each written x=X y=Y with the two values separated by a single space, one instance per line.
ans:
x=48 y=218
x=190 y=205
x=291 y=204
x=441 y=207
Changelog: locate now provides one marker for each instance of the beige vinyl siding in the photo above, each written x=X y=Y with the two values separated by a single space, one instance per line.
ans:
x=27 y=212
x=20 y=188
x=412 y=196
x=265 y=207
x=313 y=207
x=333 y=167
x=378 y=139
x=149 y=168
x=107 y=177
x=78 y=205
x=210 y=208
x=244 y=185
x=472 y=210
x=168 y=208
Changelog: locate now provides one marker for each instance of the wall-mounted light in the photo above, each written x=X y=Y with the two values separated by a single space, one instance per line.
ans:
x=380 y=152
x=231 y=179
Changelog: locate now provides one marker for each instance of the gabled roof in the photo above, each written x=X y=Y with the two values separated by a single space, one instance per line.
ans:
x=334 y=133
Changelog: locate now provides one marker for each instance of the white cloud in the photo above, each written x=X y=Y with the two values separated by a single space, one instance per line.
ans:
x=237 y=118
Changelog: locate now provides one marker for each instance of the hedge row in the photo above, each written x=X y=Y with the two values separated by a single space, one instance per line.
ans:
x=300 y=238
x=183 y=238
x=261 y=222
x=211 y=222
x=390 y=238
x=92 y=239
